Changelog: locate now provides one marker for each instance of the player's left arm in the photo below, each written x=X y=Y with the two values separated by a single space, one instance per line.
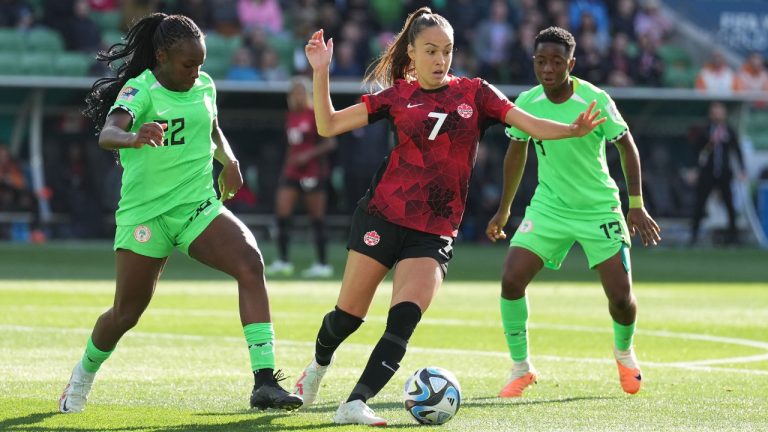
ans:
x=638 y=219
x=545 y=129
x=230 y=178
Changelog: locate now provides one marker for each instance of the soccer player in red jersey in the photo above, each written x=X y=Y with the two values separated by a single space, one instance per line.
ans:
x=305 y=172
x=411 y=213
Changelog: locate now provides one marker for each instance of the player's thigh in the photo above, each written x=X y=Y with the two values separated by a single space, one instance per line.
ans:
x=616 y=276
x=362 y=276
x=227 y=245
x=136 y=278
x=520 y=267
x=416 y=280
x=546 y=235
x=285 y=200
x=601 y=238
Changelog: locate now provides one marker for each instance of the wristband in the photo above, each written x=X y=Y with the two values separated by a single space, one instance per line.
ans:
x=635 y=201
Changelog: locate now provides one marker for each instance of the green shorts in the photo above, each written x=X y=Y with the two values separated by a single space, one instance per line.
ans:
x=551 y=236
x=176 y=228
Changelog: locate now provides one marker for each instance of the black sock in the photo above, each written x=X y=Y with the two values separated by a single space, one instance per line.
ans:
x=263 y=376
x=283 y=226
x=389 y=351
x=318 y=226
x=337 y=326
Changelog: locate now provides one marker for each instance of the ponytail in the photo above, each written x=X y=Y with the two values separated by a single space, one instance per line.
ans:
x=394 y=63
x=154 y=32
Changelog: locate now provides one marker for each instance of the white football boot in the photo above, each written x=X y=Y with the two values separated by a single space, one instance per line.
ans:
x=357 y=412
x=75 y=394
x=318 y=271
x=280 y=268
x=308 y=384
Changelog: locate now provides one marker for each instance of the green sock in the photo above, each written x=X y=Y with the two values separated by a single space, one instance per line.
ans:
x=622 y=335
x=514 y=318
x=261 y=345
x=93 y=357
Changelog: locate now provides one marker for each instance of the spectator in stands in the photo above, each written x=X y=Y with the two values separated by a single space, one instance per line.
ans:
x=256 y=42
x=82 y=33
x=493 y=40
x=652 y=23
x=271 y=69
x=134 y=10
x=623 y=21
x=243 y=68
x=464 y=15
x=590 y=16
x=266 y=14
x=718 y=144
x=224 y=17
x=649 y=68
x=590 y=64
x=557 y=14
x=520 y=57
x=13 y=184
x=345 y=65
x=16 y=194
x=198 y=11
x=752 y=77
x=716 y=76
x=15 y=13
x=619 y=64
x=589 y=25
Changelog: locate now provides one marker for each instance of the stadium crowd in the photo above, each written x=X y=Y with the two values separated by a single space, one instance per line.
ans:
x=620 y=43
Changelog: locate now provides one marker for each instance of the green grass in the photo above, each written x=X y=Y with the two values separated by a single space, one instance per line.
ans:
x=702 y=340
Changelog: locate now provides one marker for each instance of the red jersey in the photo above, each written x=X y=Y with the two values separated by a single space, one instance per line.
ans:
x=302 y=136
x=424 y=181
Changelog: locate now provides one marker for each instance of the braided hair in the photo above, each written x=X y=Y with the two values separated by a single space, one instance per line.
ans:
x=136 y=54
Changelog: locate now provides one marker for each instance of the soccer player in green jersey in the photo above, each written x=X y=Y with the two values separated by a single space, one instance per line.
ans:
x=576 y=201
x=159 y=114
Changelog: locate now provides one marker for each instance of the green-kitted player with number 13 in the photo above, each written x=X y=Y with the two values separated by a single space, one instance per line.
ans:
x=576 y=201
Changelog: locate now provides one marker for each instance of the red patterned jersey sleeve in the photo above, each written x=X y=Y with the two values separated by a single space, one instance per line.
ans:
x=492 y=102
x=379 y=103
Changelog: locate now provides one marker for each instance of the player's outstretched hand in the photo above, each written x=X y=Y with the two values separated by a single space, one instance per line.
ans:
x=586 y=121
x=318 y=53
x=495 y=228
x=230 y=180
x=150 y=134
x=639 y=221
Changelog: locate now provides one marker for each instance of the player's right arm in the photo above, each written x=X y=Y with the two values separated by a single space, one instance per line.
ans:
x=329 y=121
x=115 y=135
x=514 y=165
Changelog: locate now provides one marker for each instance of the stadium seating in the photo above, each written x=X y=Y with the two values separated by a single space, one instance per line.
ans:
x=44 y=41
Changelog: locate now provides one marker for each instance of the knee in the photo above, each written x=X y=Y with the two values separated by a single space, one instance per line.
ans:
x=250 y=267
x=623 y=301
x=513 y=285
x=125 y=319
x=402 y=320
x=341 y=324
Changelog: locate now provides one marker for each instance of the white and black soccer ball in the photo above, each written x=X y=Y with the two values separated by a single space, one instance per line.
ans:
x=432 y=395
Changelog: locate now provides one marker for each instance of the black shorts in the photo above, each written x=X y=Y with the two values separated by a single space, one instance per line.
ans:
x=305 y=184
x=389 y=243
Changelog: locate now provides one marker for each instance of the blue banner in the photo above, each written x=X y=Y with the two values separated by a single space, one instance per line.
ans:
x=741 y=25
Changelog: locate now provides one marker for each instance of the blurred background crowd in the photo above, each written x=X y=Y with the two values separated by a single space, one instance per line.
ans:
x=620 y=44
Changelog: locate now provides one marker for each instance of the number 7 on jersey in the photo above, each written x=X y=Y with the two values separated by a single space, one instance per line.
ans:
x=440 y=120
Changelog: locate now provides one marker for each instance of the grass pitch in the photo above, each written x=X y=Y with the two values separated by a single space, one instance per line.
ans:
x=702 y=342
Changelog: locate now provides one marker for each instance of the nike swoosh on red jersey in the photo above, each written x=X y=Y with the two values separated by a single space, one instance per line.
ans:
x=413 y=106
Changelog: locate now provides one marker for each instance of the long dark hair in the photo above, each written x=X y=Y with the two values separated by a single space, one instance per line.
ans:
x=137 y=53
x=394 y=63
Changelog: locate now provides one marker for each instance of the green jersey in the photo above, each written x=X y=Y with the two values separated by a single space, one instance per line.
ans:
x=156 y=179
x=573 y=173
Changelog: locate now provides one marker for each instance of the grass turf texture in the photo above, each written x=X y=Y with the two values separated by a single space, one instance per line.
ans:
x=702 y=341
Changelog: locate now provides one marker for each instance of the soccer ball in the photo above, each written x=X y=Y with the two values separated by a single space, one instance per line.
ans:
x=432 y=395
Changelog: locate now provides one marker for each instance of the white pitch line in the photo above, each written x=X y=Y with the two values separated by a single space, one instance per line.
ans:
x=701 y=365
